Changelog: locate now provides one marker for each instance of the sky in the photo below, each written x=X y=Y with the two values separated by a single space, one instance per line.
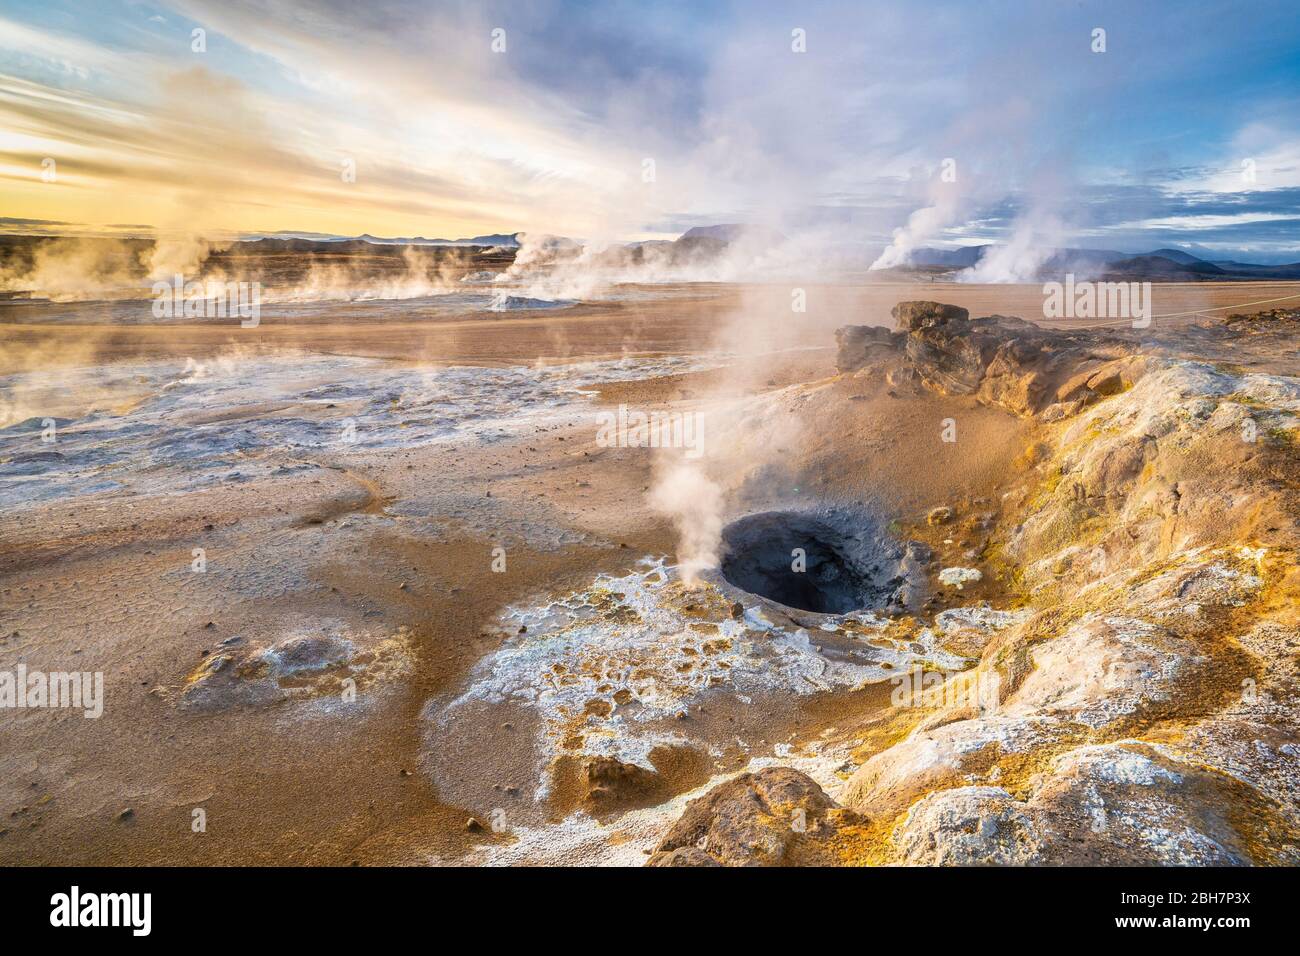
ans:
x=867 y=122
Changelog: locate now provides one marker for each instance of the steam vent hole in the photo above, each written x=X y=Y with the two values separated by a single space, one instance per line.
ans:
x=846 y=565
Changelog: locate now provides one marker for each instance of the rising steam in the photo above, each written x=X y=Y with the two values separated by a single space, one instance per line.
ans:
x=694 y=502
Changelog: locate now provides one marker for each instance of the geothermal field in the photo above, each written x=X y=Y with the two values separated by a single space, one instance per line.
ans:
x=445 y=442
x=650 y=573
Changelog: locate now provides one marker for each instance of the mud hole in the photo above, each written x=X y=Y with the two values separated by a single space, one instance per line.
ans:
x=831 y=563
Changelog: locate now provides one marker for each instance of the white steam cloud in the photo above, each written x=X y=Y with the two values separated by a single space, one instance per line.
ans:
x=695 y=504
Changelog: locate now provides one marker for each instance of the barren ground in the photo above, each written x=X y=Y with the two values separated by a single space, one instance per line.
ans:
x=391 y=545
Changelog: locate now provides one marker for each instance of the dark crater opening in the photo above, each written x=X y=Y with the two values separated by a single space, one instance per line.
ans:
x=848 y=563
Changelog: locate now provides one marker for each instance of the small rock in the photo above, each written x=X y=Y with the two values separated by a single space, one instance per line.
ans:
x=959 y=577
x=939 y=515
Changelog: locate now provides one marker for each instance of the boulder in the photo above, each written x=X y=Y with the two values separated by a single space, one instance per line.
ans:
x=920 y=314
x=1119 y=804
x=1105 y=668
x=969 y=826
x=937 y=757
x=775 y=817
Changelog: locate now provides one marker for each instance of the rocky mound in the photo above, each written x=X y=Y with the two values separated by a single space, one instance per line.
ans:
x=1002 y=360
x=1145 y=706
x=311 y=665
x=776 y=817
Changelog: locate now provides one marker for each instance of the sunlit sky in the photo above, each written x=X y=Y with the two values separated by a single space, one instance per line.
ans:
x=1139 y=146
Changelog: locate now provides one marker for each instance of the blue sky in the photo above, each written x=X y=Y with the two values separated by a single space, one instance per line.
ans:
x=1185 y=131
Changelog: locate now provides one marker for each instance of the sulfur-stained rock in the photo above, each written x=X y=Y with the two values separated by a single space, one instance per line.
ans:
x=903 y=378
x=1075 y=387
x=966 y=631
x=969 y=826
x=933 y=758
x=1114 y=377
x=1129 y=803
x=1104 y=668
x=1124 y=803
x=1146 y=700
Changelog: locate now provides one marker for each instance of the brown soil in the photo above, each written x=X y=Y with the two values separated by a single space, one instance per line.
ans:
x=105 y=583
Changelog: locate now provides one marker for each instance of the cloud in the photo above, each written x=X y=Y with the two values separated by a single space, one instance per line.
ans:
x=553 y=133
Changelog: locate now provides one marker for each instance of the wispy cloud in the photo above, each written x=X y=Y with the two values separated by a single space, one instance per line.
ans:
x=551 y=129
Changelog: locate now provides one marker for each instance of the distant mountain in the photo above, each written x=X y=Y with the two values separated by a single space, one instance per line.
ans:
x=1196 y=267
x=509 y=240
x=727 y=232
x=733 y=232
x=1176 y=255
x=1290 y=270
x=962 y=258
x=497 y=239
x=1081 y=260
x=291 y=234
x=1161 y=266
x=1167 y=264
